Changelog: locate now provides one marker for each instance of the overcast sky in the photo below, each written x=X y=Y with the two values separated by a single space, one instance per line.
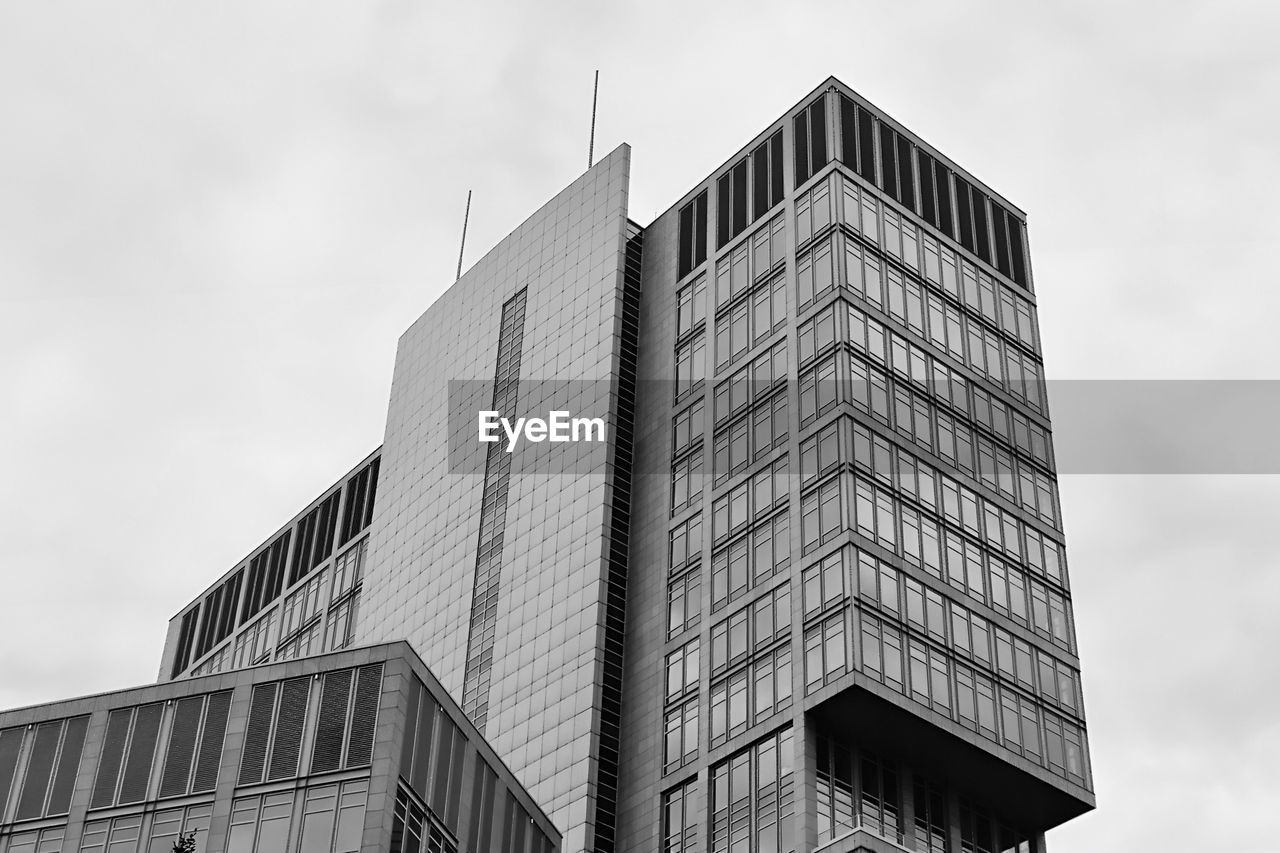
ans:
x=216 y=219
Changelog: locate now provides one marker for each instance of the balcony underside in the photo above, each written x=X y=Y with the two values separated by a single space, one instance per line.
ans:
x=1032 y=800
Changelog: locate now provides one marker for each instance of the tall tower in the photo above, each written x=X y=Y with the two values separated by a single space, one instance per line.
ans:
x=848 y=621
x=809 y=592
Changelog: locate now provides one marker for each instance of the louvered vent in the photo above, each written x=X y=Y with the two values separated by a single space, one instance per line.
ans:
x=142 y=750
x=364 y=716
x=64 y=780
x=104 y=786
x=10 y=743
x=254 y=757
x=334 y=699
x=39 y=767
x=289 y=721
x=182 y=747
x=211 y=739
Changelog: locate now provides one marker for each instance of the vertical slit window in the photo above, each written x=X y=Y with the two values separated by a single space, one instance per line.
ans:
x=810 y=139
x=766 y=175
x=905 y=176
x=983 y=240
x=928 y=205
x=889 y=163
x=943 y=183
x=965 y=213
x=866 y=146
x=1015 y=249
x=1002 y=239
x=693 y=235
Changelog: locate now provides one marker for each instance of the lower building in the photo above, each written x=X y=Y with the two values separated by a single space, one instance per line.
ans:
x=357 y=750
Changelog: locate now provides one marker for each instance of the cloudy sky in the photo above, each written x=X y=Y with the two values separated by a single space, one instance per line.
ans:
x=216 y=219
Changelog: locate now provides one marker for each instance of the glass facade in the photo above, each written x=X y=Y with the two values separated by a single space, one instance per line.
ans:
x=521 y=641
x=314 y=756
x=860 y=519
x=825 y=529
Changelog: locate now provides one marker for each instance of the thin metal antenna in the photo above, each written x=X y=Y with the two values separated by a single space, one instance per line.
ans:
x=465 y=217
x=591 y=149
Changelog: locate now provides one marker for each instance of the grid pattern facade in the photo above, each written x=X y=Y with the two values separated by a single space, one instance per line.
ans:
x=829 y=494
x=545 y=704
x=860 y=498
x=297 y=594
x=362 y=750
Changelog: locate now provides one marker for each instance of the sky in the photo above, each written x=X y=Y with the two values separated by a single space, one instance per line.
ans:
x=216 y=220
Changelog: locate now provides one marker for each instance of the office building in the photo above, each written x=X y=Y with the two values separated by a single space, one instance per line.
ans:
x=809 y=593
x=357 y=750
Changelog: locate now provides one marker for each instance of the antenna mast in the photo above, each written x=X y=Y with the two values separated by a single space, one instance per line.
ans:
x=591 y=148
x=465 y=217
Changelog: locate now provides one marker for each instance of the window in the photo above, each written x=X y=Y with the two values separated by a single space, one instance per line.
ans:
x=750 y=437
x=879 y=797
x=686 y=482
x=682 y=670
x=752 y=800
x=686 y=543
x=750 y=559
x=691 y=306
x=825 y=655
x=979 y=833
x=361 y=490
x=731 y=203
x=813 y=212
x=687 y=429
x=681 y=813
x=684 y=601
x=834 y=790
x=220 y=611
x=897 y=173
x=749 y=501
x=768 y=247
x=816 y=272
x=821 y=514
x=691 y=365
x=253 y=644
x=680 y=740
x=819 y=332
x=824 y=582
x=882 y=651
x=930 y=817
x=37 y=841
x=415 y=829
x=733 y=275
x=693 y=235
x=265 y=579
x=766 y=171
x=303 y=604
x=857 y=145
x=810 y=139
x=765 y=374
x=348 y=569
x=333 y=817
x=751 y=694
x=340 y=624
x=313 y=542
x=258 y=824
x=167 y=824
